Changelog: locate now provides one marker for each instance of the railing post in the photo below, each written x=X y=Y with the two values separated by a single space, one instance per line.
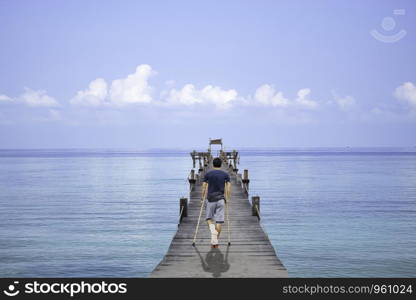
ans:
x=245 y=179
x=255 y=206
x=193 y=154
x=205 y=162
x=235 y=161
x=183 y=209
x=192 y=179
x=200 y=164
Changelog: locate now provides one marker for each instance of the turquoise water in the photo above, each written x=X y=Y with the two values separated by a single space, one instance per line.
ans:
x=113 y=213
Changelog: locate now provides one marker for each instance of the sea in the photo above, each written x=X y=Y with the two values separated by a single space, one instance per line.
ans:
x=329 y=212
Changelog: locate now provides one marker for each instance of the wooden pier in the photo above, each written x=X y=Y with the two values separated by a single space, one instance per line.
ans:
x=250 y=253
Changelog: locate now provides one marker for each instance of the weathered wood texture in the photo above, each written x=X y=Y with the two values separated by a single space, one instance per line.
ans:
x=250 y=254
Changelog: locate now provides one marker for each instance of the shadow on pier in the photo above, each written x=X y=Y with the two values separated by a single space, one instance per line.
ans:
x=215 y=262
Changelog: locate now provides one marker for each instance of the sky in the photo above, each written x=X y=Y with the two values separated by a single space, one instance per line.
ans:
x=172 y=74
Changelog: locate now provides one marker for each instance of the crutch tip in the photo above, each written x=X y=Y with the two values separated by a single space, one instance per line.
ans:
x=229 y=243
x=193 y=244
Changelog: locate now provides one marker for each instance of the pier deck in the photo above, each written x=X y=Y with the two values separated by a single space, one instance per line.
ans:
x=250 y=253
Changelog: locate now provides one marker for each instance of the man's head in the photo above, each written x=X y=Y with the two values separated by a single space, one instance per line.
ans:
x=217 y=162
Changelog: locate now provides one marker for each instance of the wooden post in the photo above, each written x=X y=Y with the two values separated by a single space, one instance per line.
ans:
x=255 y=206
x=245 y=179
x=192 y=179
x=200 y=164
x=193 y=154
x=235 y=161
x=183 y=209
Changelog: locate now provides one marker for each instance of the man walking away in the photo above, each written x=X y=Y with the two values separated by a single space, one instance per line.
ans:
x=217 y=189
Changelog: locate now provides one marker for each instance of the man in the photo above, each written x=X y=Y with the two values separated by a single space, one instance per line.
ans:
x=217 y=189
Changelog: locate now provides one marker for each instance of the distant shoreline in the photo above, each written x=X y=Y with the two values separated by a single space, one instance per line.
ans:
x=185 y=152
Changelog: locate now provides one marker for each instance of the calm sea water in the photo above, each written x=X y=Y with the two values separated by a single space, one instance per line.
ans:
x=67 y=213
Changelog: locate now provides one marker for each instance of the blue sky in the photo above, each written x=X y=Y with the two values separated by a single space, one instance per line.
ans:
x=155 y=74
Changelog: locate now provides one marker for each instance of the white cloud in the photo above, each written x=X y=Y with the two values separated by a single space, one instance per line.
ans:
x=37 y=98
x=5 y=98
x=95 y=95
x=406 y=92
x=190 y=95
x=267 y=95
x=303 y=101
x=221 y=98
x=134 y=88
x=345 y=102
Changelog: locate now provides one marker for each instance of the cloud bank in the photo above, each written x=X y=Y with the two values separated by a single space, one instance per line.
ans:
x=136 y=89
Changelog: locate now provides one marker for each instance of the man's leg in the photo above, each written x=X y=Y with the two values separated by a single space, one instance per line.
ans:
x=210 y=212
x=214 y=232
x=218 y=228
x=219 y=216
